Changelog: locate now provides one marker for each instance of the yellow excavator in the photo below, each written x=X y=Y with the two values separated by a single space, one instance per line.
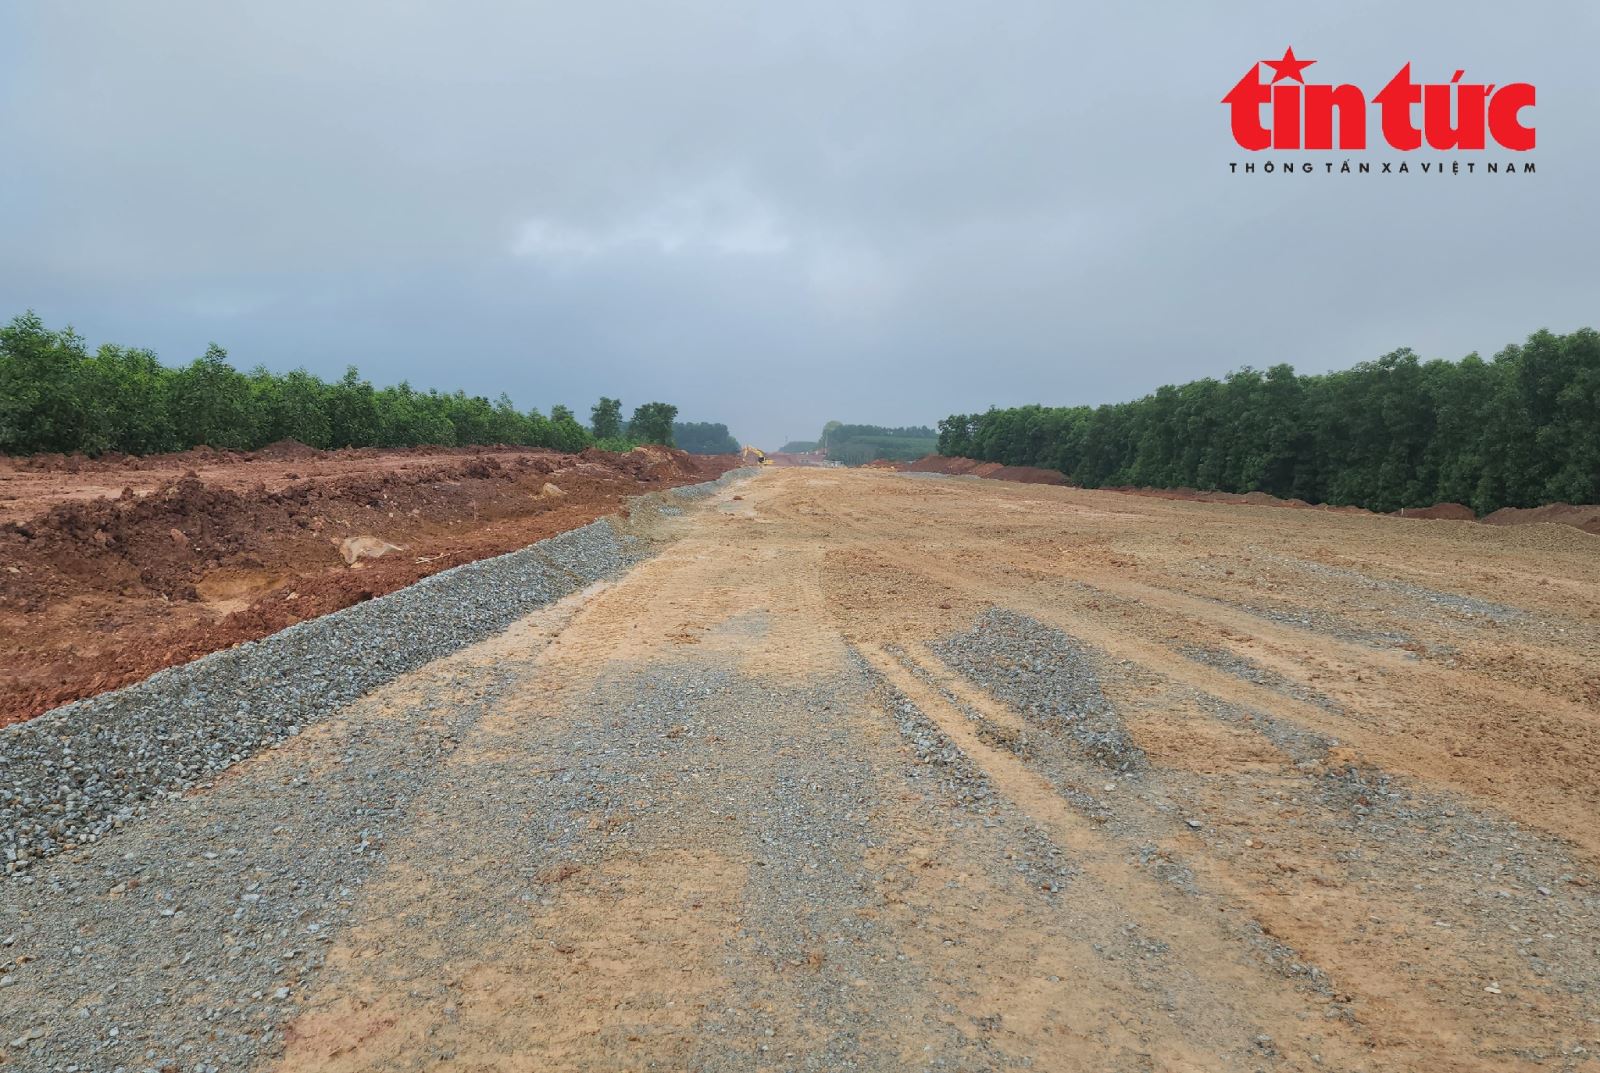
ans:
x=756 y=455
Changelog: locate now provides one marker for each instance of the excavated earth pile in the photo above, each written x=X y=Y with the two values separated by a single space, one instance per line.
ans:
x=994 y=471
x=204 y=550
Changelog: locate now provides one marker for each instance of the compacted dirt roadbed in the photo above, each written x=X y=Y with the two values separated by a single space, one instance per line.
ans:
x=875 y=771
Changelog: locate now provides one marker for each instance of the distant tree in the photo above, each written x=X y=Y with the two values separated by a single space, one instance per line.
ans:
x=566 y=433
x=353 y=418
x=703 y=438
x=856 y=444
x=605 y=419
x=42 y=404
x=54 y=396
x=1396 y=432
x=409 y=418
x=211 y=402
x=126 y=390
x=799 y=447
x=537 y=430
x=292 y=406
x=652 y=423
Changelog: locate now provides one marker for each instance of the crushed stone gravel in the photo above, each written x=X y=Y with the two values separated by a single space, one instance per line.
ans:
x=1049 y=678
x=186 y=943
x=75 y=773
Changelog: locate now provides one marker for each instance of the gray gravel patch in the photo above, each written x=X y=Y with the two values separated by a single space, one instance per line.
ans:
x=1251 y=671
x=1466 y=606
x=958 y=780
x=75 y=773
x=1068 y=773
x=1305 y=747
x=1477 y=873
x=598 y=780
x=1327 y=623
x=187 y=943
x=1050 y=679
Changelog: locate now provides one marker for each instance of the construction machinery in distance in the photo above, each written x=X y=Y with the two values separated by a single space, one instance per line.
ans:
x=756 y=455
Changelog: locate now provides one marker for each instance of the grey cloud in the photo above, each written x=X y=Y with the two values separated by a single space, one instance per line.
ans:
x=770 y=214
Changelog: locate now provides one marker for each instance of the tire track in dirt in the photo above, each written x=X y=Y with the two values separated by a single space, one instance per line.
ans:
x=1189 y=923
x=1388 y=702
x=1371 y=985
x=1416 y=942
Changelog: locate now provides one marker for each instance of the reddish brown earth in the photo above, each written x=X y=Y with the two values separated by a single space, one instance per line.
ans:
x=992 y=470
x=29 y=486
x=1586 y=518
x=111 y=569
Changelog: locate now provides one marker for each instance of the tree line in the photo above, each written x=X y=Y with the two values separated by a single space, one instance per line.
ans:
x=57 y=396
x=857 y=444
x=1520 y=430
x=704 y=438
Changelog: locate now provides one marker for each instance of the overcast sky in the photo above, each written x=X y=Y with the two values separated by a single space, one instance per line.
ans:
x=770 y=214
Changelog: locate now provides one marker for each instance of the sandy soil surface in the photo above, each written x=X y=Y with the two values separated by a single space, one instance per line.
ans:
x=112 y=569
x=876 y=771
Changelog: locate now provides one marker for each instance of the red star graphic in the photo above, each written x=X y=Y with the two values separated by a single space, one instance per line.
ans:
x=1288 y=67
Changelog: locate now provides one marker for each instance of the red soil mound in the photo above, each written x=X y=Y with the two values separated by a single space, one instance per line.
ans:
x=1249 y=499
x=284 y=451
x=1585 y=518
x=99 y=592
x=1453 y=512
x=991 y=470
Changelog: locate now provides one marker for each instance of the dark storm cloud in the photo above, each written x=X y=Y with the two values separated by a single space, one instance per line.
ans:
x=772 y=215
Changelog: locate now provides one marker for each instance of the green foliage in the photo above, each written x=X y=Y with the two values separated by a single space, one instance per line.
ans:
x=210 y=400
x=704 y=438
x=565 y=432
x=43 y=401
x=619 y=444
x=652 y=423
x=856 y=444
x=1519 y=431
x=55 y=396
x=799 y=447
x=605 y=419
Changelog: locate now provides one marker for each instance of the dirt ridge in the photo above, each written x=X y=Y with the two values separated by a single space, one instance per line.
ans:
x=99 y=592
x=1580 y=516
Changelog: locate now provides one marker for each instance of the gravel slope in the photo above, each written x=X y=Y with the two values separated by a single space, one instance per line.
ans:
x=72 y=774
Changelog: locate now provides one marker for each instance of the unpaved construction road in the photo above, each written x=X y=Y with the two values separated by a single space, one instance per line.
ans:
x=874 y=771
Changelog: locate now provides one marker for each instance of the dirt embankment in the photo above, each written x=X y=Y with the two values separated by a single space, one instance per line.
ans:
x=1586 y=518
x=968 y=467
x=182 y=555
x=29 y=486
